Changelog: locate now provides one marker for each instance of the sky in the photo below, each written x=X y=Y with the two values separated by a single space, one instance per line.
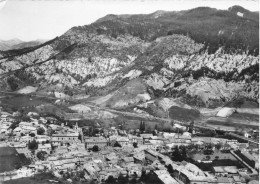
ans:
x=45 y=19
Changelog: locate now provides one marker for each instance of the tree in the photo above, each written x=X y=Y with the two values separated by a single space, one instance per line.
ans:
x=184 y=153
x=154 y=132
x=80 y=137
x=32 y=134
x=14 y=125
x=110 y=179
x=12 y=83
x=33 y=145
x=191 y=126
x=68 y=91
x=122 y=179
x=135 y=145
x=50 y=132
x=218 y=146
x=142 y=126
x=177 y=155
x=41 y=155
x=25 y=118
x=95 y=148
x=81 y=174
x=208 y=157
x=95 y=131
x=148 y=130
x=40 y=131
x=117 y=145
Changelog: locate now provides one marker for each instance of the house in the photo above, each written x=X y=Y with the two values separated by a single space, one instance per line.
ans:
x=146 y=136
x=139 y=140
x=139 y=157
x=189 y=173
x=112 y=158
x=17 y=131
x=243 y=146
x=91 y=168
x=42 y=138
x=165 y=177
x=123 y=141
x=128 y=160
x=134 y=170
x=226 y=147
x=55 y=127
x=44 y=147
x=28 y=129
x=71 y=138
x=26 y=139
x=4 y=129
x=18 y=145
x=151 y=155
x=247 y=135
x=224 y=180
x=133 y=138
x=248 y=158
x=32 y=114
x=92 y=141
x=6 y=117
x=225 y=171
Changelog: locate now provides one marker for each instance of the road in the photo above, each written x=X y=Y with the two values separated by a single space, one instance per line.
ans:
x=244 y=138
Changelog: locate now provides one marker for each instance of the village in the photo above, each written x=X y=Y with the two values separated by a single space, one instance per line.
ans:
x=117 y=155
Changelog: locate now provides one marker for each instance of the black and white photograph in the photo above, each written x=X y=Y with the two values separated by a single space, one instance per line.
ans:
x=129 y=91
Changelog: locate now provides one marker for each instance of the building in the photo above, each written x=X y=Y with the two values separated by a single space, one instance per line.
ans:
x=92 y=141
x=26 y=139
x=188 y=173
x=225 y=171
x=123 y=141
x=248 y=158
x=165 y=177
x=44 y=147
x=146 y=136
x=71 y=138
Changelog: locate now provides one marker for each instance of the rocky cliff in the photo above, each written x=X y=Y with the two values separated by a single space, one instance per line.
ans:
x=205 y=56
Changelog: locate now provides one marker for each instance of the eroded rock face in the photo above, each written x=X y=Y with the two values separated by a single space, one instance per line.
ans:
x=107 y=57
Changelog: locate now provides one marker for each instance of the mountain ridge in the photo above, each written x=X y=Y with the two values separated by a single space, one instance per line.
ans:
x=18 y=44
x=164 y=52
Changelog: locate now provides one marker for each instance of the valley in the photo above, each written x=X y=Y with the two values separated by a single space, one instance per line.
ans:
x=123 y=98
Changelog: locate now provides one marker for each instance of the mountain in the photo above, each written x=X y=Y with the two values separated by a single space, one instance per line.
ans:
x=18 y=44
x=147 y=63
x=7 y=44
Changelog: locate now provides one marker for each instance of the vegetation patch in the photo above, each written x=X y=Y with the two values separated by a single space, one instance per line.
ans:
x=183 y=114
x=11 y=160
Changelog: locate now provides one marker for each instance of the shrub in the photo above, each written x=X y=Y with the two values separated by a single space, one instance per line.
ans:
x=40 y=131
x=33 y=145
x=95 y=148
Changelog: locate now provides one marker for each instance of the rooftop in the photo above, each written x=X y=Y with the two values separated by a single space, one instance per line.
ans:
x=165 y=177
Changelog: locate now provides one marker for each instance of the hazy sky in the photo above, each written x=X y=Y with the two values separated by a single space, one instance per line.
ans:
x=46 y=19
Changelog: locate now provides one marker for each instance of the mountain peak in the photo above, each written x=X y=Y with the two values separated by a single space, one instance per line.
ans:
x=107 y=17
x=237 y=8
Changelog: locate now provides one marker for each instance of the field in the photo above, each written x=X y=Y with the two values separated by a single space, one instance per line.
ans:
x=245 y=117
x=20 y=101
x=38 y=178
x=12 y=103
x=183 y=114
x=10 y=160
x=224 y=159
x=219 y=154
x=231 y=123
